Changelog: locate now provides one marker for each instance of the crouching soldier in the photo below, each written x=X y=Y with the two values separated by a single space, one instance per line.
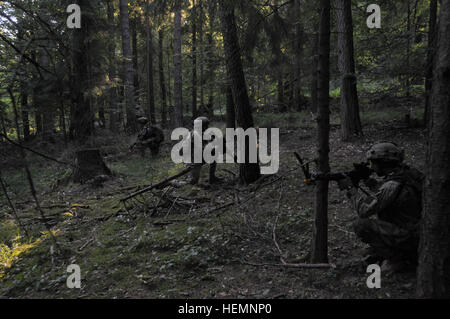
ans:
x=393 y=236
x=150 y=136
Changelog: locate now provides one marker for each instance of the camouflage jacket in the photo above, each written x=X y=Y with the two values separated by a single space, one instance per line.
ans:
x=150 y=134
x=398 y=199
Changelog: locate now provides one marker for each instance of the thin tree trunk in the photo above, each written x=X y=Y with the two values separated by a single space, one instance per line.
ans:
x=408 y=50
x=433 y=279
x=62 y=112
x=280 y=87
x=112 y=91
x=298 y=54
x=194 y=59
x=177 y=67
x=48 y=125
x=210 y=76
x=36 y=107
x=248 y=172
x=314 y=69
x=150 y=79
x=25 y=119
x=169 y=87
x=319 y=251
x=134 y=46
x=162 y=80
x=101 y=113
x=350 y=120
x=128 y=74
x=200 y=56
x=432 y=32
x=211 y=50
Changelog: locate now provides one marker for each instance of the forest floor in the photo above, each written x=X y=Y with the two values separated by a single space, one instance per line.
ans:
x=187 y=249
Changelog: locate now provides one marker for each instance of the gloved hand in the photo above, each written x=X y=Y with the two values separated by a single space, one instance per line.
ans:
x=345 y=183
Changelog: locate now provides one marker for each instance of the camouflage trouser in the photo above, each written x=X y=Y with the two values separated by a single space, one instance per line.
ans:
x=388 y=240
x=197 y=168
x=154 y=148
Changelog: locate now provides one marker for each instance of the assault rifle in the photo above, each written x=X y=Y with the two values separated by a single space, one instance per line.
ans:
x=361 y=171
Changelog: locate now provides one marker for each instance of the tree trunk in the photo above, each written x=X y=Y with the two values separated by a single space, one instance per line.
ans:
x=200 y=55
x=36 y=107
x=134 y=40
x=298 y=47
x=210 y=76
x=177 y=67
x=25 y=119
x=211 y=62
x=171 y=108
x=113 y=108
x=162 y=80
x=433 y=279
x=314 y=69
x=350 y=120
x=82 y=114
x=101 y=113
x=248 y=172
x=62 y=112
x=231 y=113
x=194 y=60
x=150 y=80
x=280 y=88
x=48 y=125
x=432 y=32
x=128 y=75
x=408 y=49
x=319 y=251
x=89 y=164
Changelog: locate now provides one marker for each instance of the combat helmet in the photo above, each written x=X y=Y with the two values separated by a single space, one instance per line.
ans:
x=142 y=120
x=204 y=120
x=385 y=151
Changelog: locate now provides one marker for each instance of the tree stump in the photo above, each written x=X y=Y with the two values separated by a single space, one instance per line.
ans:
x=89 y=164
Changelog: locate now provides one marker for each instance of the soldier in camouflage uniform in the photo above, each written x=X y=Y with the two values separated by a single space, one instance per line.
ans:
x=197 y=167
x=149 y=136
x=397 y=203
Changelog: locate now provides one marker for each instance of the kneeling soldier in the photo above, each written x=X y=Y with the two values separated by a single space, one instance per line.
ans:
x=394 y=235
x=150 y=137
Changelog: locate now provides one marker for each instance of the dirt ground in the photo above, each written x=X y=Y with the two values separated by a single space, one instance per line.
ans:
x=190 y=248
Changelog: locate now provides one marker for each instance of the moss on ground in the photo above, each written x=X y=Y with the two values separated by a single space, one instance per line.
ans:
x=191 y=254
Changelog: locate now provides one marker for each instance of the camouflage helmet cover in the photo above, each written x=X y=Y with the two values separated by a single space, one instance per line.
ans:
x=385 y=151
x=142 y=120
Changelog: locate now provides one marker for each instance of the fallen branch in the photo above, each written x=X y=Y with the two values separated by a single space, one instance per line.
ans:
x=86 y=244
x=288 y=265
x=160 y=199
x=158 y=185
